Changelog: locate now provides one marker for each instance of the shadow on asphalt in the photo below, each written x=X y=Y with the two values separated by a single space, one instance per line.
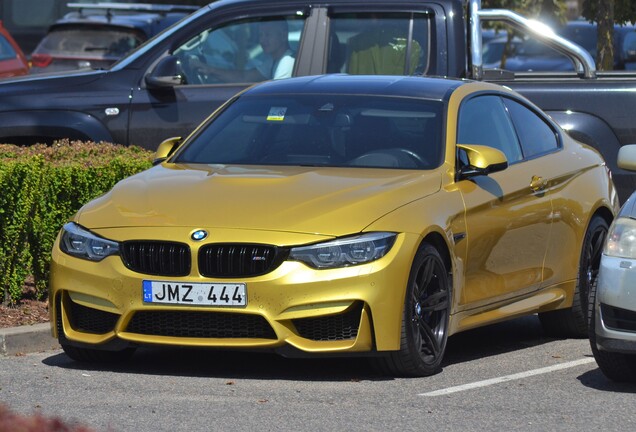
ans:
x=596 y=380
x=467 y=346
x=495 y=339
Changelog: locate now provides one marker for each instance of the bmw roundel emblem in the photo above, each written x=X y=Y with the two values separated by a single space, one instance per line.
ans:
x=199 y=235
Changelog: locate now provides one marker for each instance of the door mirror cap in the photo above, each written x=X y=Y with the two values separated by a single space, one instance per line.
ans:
x=481 y=160
x=627 y=157
x=167 y=73
x=166 y=149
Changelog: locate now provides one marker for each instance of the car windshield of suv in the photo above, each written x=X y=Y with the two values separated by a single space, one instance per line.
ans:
x=322 y=130
x=82 y=42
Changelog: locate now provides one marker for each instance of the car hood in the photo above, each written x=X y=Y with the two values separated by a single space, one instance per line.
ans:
x=49 y=80
x=329 y=201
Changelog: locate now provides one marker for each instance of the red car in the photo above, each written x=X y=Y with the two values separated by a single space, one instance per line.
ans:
x=12 y=59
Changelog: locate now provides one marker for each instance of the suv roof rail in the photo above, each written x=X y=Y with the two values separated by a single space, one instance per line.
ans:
x=132 y=7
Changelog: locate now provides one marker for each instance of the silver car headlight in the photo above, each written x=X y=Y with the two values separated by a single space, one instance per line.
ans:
x=344 y=252
x=621 y=239
x=81 y=243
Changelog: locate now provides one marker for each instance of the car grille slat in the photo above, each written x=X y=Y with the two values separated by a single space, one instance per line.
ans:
x=200 y=325
x=239 y=260
x=157 y=258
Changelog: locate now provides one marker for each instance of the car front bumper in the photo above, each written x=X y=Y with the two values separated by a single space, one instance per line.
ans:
x=616 y=305
x=292 y=309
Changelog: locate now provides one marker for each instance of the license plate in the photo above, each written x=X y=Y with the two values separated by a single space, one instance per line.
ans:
x=205 y=294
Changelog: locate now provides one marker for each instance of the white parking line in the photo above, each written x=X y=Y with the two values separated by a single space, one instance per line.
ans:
x=506 y=378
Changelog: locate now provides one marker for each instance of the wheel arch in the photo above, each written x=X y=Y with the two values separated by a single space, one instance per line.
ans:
x=438 y=241
x=31 y=127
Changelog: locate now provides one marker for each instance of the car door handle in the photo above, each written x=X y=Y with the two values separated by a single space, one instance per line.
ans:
x=538 y=183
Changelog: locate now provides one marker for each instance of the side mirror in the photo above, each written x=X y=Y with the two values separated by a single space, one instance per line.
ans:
x=627 y=157
x=480 y=160
x=165 y=149
x=167 y=73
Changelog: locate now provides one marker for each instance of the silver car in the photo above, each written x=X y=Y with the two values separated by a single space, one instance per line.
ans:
x=613 y=298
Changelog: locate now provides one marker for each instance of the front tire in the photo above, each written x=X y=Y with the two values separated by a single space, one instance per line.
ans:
x=425 y=319
x=573 y=322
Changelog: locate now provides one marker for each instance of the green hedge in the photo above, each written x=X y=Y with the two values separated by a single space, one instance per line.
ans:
x=41 y=187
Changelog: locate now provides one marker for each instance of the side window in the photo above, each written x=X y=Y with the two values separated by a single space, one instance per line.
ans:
x=380 y=43
x=246 y=51
x=536 y=136
x=483 y=120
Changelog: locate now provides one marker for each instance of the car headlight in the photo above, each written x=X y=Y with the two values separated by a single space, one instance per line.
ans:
x=621 y=239
x=345 y=252
x=80 y=243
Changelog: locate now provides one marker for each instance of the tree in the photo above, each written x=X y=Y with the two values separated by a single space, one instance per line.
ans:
x=606 y=13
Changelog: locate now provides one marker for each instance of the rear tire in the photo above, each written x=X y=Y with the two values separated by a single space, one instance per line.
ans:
x=425 y=319
x=573 y=321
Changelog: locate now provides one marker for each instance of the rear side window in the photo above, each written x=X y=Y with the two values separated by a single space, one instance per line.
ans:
x=537 y=137
x=380 y=43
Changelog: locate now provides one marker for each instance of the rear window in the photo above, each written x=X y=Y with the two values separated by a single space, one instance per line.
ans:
x=88 y=42
x=322 y=130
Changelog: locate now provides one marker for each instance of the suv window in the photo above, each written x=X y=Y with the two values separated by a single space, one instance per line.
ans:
x=380 y=43
x=250 y=50
x=483 y=120
x=536 y=136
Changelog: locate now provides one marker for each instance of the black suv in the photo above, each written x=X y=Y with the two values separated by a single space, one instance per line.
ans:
x=98 y=34
x=162 y=88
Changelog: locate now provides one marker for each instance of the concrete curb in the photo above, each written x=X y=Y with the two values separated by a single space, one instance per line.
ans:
x=26 y=339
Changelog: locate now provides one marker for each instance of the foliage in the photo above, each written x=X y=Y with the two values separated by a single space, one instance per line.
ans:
x=547 y=10
x=607 y=13
x=624 y=10
x=42 y=187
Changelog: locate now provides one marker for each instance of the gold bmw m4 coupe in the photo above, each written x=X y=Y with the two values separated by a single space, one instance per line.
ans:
x=340 y=215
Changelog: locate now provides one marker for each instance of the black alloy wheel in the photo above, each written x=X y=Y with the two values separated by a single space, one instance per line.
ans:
x=426 y=318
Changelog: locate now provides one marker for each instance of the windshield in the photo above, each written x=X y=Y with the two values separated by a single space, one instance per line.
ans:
x=322 y=130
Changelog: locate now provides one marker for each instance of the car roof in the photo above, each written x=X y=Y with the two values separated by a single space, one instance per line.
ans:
x=374 y=85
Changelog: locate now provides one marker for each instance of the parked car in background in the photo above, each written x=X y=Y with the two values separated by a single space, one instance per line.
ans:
x=391 y=211
x=98 y=34
x=531 y=55
x=12 y=59
x=613 y=298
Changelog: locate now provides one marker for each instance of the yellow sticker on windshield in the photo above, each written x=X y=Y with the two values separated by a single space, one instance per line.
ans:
x=276 y=114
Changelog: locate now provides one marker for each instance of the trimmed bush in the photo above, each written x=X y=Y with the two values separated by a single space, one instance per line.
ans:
x=41 y=187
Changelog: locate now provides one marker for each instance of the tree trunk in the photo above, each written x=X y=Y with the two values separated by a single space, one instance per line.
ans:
x=604 y=44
